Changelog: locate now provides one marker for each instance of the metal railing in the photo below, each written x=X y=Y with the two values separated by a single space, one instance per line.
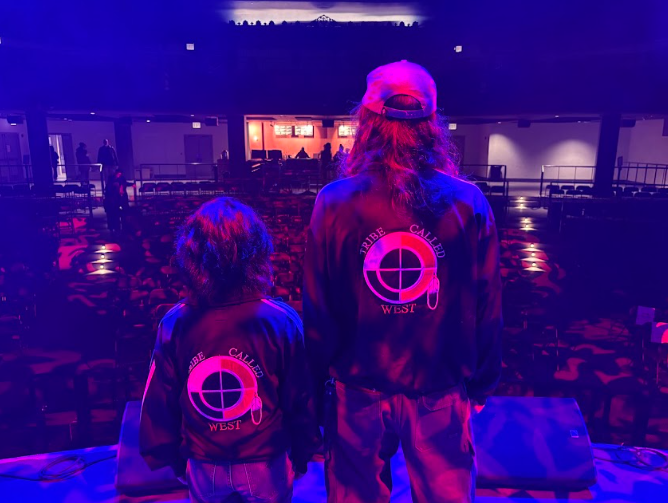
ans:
x=158 y=172
x=15 y=173
x=81 y=172
x=552 y=173
x=487 y=173
x=643 y=173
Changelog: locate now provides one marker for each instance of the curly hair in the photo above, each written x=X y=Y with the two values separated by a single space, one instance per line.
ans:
x=223 y=250
x=407 y=151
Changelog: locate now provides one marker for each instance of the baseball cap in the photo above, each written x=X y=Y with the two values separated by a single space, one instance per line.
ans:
x=402 y=77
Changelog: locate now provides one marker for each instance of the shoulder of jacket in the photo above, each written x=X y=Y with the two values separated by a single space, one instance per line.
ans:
x=288 y=311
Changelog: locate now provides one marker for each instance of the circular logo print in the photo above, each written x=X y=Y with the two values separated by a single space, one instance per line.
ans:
x=400 y=267
x=222 y=388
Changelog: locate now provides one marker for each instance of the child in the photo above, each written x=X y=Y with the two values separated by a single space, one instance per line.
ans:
x=228 y=399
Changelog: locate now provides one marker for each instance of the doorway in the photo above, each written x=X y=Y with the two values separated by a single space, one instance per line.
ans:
x=198 y=150
x=62 y=144
x=11 y=168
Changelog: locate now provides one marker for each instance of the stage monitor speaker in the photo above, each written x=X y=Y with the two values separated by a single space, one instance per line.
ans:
x=211 y=121
x=328 y=123
x=258 y=154
x=134 y=477
x=533 y=443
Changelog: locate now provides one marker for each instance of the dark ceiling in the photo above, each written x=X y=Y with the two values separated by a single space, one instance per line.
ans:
x=518 y=57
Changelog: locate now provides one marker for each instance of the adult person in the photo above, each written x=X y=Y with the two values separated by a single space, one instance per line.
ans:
x=402 y=301
x=302 y=154
x=106 y=156
x=340 y=155
x=325 y=159
x=83 y=161
x=54 y=162
x=116 y=200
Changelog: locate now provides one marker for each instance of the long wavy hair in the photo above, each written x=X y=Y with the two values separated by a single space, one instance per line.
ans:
x=408 y=152
x=223 y=250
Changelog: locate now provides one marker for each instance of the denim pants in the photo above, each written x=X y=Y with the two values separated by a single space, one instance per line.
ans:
x=364 y=430
x=257 y=482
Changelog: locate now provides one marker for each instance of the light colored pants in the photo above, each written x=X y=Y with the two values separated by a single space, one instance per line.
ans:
x=258 y=482
x=364 y=430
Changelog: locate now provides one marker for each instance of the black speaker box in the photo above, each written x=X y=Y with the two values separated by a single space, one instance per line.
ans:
x=211 y=121
x=328 y=123
x=533 y=443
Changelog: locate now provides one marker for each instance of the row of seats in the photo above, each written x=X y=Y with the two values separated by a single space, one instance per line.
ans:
x=56 y=189
x=193 y=187
x=586 y=190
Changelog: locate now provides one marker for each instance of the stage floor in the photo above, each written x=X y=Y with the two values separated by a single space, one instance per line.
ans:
x=617 y=483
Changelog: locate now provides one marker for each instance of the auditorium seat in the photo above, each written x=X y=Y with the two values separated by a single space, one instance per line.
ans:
x=147 y=187
x=163 y=187
x=567 y=187
x=70 y=188
x=572 y=192
x=190 y=187
x=483 y=186
x=556 y=191
x=643 y=195
x=648 y=188
x=282 y=292
x=629 y=191
x=177 y=187
x=84 y=188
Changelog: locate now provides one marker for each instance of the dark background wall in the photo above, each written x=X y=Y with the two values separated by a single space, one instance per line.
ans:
x=518 y=57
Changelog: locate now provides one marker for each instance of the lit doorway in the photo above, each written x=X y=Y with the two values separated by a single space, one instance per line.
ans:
x=56 y=141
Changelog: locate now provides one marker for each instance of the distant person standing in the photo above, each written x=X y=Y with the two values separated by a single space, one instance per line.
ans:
x=340 y=155
x=83 y=161
x=326 y=159
x=302 y=154
x=54 y=162
x=116 y=201
x=107 y=157
x=222 y=165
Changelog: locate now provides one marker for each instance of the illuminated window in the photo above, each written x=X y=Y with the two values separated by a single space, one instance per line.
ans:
x=304 y=130
x=197 y=125
x=346 y=130
x=190 y=47
x=283 y=130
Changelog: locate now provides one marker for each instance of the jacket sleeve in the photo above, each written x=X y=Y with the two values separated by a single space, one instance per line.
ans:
x=298 y=401
x=160 y=420
x=320 y=325
x=489 y=320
